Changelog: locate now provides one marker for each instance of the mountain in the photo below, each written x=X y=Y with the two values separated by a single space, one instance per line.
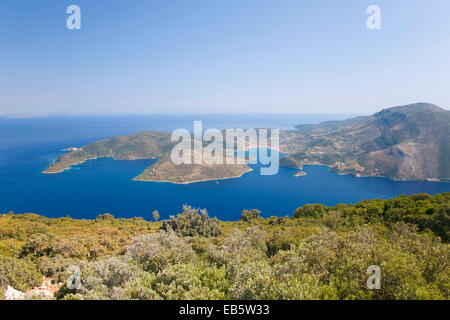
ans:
x=329 y=125
x=409 y=142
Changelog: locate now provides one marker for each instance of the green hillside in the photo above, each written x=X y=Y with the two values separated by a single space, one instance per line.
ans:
x=142 y=145
x=318 y=253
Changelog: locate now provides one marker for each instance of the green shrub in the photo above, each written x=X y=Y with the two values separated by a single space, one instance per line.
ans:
x=21 y=274
x=249 y=215
x=310 y=211
x=156 y=251
x=191 y=223
x=103 y=279
x=105 y=216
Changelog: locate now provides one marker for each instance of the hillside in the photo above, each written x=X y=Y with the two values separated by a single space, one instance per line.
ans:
x=406 y=143
x=318 y=253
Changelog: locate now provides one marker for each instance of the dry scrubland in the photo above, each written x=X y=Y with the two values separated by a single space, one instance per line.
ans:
x=319 y=253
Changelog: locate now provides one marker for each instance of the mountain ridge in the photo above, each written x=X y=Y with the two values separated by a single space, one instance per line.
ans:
x=404 y=143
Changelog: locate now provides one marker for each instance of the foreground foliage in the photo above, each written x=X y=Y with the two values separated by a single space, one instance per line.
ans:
x=319 y=253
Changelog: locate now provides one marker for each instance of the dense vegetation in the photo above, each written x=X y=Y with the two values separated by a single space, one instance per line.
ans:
x=319 y=253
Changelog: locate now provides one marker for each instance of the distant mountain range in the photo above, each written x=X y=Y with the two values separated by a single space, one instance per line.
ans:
x=409 y=142
x=405 y=143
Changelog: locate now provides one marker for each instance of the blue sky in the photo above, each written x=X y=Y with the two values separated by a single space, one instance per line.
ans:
x=207 y=56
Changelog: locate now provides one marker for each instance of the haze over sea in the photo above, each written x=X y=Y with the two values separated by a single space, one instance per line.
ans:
x=29 y=145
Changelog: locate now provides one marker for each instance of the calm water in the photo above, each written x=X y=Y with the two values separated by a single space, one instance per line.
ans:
x=27 y=146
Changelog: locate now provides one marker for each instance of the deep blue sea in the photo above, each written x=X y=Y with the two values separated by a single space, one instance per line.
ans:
x=27 y=146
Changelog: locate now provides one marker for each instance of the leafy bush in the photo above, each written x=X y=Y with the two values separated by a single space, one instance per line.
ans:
x=310 y=211
x=21 y=274
x=156 y=251
x=56 y=267
x=188 y=281
x=240 y=246
x=252 y=281
x=191 y=223
x=248 y=215
x=104 y=279
x=105 y=216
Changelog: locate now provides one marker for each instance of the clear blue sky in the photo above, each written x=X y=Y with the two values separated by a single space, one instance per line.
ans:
x=168 y=56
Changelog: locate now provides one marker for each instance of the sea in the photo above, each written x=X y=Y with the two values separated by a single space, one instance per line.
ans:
x=29 y=145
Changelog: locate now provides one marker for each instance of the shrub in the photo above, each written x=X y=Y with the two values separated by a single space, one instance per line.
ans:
x=155 y=251
x=39 y=245
x=248 y=215
x=191 y=223
x=21 y=274
x=332 y=219
x=310 y=211
x=252 y=281
x=283 y=240
x=103 y=279
x=241 y=247
x=56 y=267
x=105 y=216
x=187 y=282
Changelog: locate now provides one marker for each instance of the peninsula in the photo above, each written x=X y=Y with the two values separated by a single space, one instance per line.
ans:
x=149 y=145
x=165 y=171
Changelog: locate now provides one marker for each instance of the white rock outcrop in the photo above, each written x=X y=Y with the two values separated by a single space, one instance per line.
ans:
x=13 y=294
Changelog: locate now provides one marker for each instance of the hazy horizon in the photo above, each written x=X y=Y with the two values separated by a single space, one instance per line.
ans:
x=177 y=113
x=210 y=57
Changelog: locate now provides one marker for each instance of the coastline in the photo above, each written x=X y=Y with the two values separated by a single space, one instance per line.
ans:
x=375 y=176
x=67 y=167
x=301 y=173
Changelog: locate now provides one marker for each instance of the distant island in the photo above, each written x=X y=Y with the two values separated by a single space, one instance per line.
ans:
x=409 y=142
